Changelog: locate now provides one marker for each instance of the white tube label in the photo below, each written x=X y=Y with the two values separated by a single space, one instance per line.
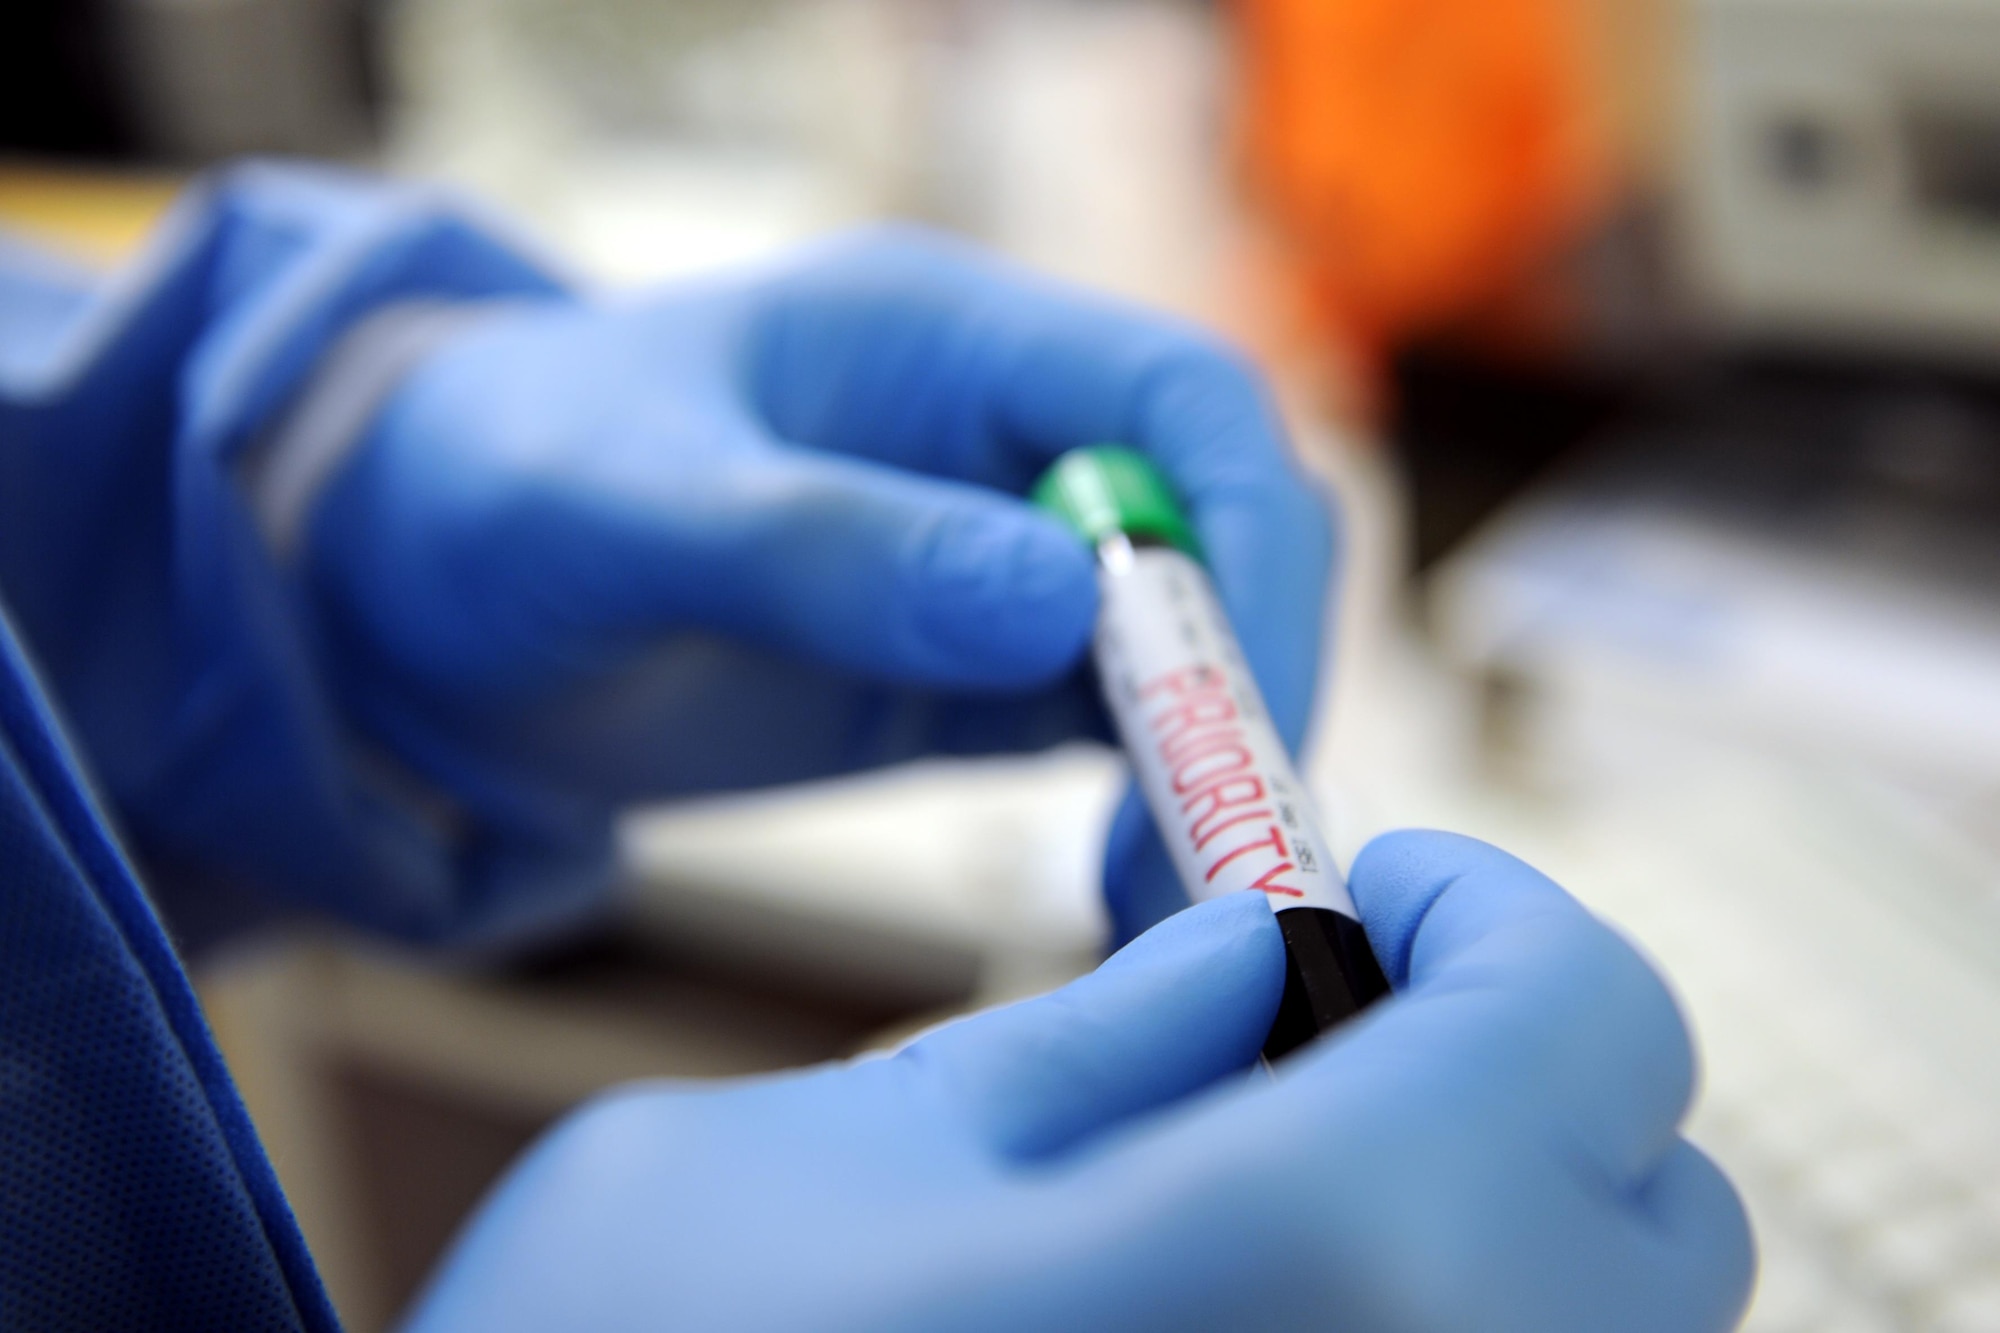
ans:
x=1215 y=774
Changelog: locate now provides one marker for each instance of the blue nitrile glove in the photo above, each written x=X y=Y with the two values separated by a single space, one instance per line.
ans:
x=1493 y=1149
x=768 y=527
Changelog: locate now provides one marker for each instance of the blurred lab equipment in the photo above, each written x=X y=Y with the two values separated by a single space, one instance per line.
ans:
x=1793 y=532
x=641 y=140
x=1843 y=175
x=1808 y=559
x=645 y=139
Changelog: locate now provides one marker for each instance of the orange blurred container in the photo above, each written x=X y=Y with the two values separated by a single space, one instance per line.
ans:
x=1417 y=159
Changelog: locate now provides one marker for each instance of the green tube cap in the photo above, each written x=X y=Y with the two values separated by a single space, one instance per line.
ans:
x=1106 y=489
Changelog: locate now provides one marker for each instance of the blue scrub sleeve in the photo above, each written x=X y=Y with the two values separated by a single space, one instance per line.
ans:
x=174 y=639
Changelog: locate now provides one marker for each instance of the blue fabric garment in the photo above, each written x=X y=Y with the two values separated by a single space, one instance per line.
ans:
x=137 y=577
x=133 y=1192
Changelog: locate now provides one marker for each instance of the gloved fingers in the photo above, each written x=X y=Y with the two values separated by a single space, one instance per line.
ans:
x=1700 y=1219
x=896 y=577
x=762 y=719
x=1141 y=887
x=1094 y=371
x=1182 y=1006
x=924 y=354
x=1500 y=968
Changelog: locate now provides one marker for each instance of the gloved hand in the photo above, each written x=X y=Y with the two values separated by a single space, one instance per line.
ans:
x=1493 y=1149
x=767 y=528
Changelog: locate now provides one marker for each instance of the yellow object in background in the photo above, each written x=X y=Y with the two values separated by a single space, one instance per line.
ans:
x=99 y=217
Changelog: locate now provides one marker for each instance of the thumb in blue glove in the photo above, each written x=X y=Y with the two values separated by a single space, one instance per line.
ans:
x=1493 y=1149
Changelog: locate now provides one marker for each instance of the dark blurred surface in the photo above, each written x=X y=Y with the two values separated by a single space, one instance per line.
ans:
x=170 y=83
x=62 y=89
x=1801 y=432
x=1471 y=433
x=423 y=1156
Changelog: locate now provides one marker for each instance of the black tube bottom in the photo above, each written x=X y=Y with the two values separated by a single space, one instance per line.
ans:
x=1330 y=975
